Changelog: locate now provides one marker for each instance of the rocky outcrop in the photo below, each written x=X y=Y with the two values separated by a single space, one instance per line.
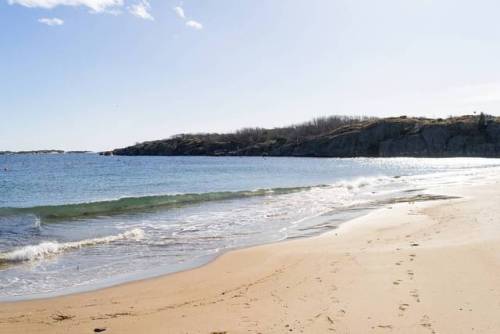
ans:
x=468 y=136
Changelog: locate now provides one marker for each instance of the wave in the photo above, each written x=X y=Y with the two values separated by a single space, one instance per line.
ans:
x=128 y=204
x=50 y=248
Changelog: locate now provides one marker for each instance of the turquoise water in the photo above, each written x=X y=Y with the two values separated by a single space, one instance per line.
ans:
x=79 y=221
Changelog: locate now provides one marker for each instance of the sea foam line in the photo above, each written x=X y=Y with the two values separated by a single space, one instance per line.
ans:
x=50 y=248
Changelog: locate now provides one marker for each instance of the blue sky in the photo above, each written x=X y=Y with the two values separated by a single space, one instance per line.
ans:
x=100 y=74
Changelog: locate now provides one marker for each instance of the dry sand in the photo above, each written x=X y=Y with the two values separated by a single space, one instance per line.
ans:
x=429 y=267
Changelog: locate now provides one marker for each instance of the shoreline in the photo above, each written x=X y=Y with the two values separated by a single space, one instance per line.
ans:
x=340 y=276
x=341 y=217
x=196 y=263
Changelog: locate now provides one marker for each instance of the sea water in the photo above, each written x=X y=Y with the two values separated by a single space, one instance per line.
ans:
x=75 y=222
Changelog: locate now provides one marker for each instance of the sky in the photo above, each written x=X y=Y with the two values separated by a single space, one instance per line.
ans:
x=102 y=74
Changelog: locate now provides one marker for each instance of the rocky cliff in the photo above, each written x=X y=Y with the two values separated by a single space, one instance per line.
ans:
x=468 y=136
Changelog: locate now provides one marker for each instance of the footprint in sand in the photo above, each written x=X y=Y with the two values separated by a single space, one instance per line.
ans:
x=385 y=326
x=426 y=323
x=61 y=317
x=410 y=273
x=334 y=300
x=403 y=308
x=414 y=294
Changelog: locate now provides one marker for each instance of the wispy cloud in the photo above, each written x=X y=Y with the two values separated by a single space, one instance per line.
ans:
x=194 y=24
x=141 y=10
x=179 y=12
x=51 y=21
x=97 y=6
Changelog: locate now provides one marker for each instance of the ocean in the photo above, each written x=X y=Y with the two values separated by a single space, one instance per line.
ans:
x=77 y=222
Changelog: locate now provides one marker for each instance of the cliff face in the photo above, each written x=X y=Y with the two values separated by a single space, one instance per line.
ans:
x=469 y=136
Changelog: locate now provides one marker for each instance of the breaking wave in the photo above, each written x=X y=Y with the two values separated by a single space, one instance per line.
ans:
x=128 y=204
x=139 y=204
x=50 y=248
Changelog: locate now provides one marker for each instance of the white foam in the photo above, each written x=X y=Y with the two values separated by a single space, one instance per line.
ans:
x=362 y=182
x=50 y=248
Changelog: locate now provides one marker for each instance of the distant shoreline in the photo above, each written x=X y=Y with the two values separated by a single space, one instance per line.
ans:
x=44 y=152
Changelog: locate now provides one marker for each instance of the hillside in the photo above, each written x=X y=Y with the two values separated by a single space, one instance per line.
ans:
x=472 y=136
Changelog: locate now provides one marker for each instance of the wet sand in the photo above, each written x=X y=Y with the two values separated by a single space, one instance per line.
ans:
x=418 y=267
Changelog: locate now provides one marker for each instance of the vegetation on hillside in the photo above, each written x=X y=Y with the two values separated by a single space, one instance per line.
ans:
x=342 y=136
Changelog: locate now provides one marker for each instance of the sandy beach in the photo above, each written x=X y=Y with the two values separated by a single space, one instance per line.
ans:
x=427 y=267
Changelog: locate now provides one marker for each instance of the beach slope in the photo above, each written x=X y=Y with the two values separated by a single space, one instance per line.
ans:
x=428 y=267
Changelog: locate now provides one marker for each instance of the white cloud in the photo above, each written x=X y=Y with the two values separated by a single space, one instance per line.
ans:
x=141 y=10
x=194 y=24
x=51 y=22
x=97 y=6
x=180 y=12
